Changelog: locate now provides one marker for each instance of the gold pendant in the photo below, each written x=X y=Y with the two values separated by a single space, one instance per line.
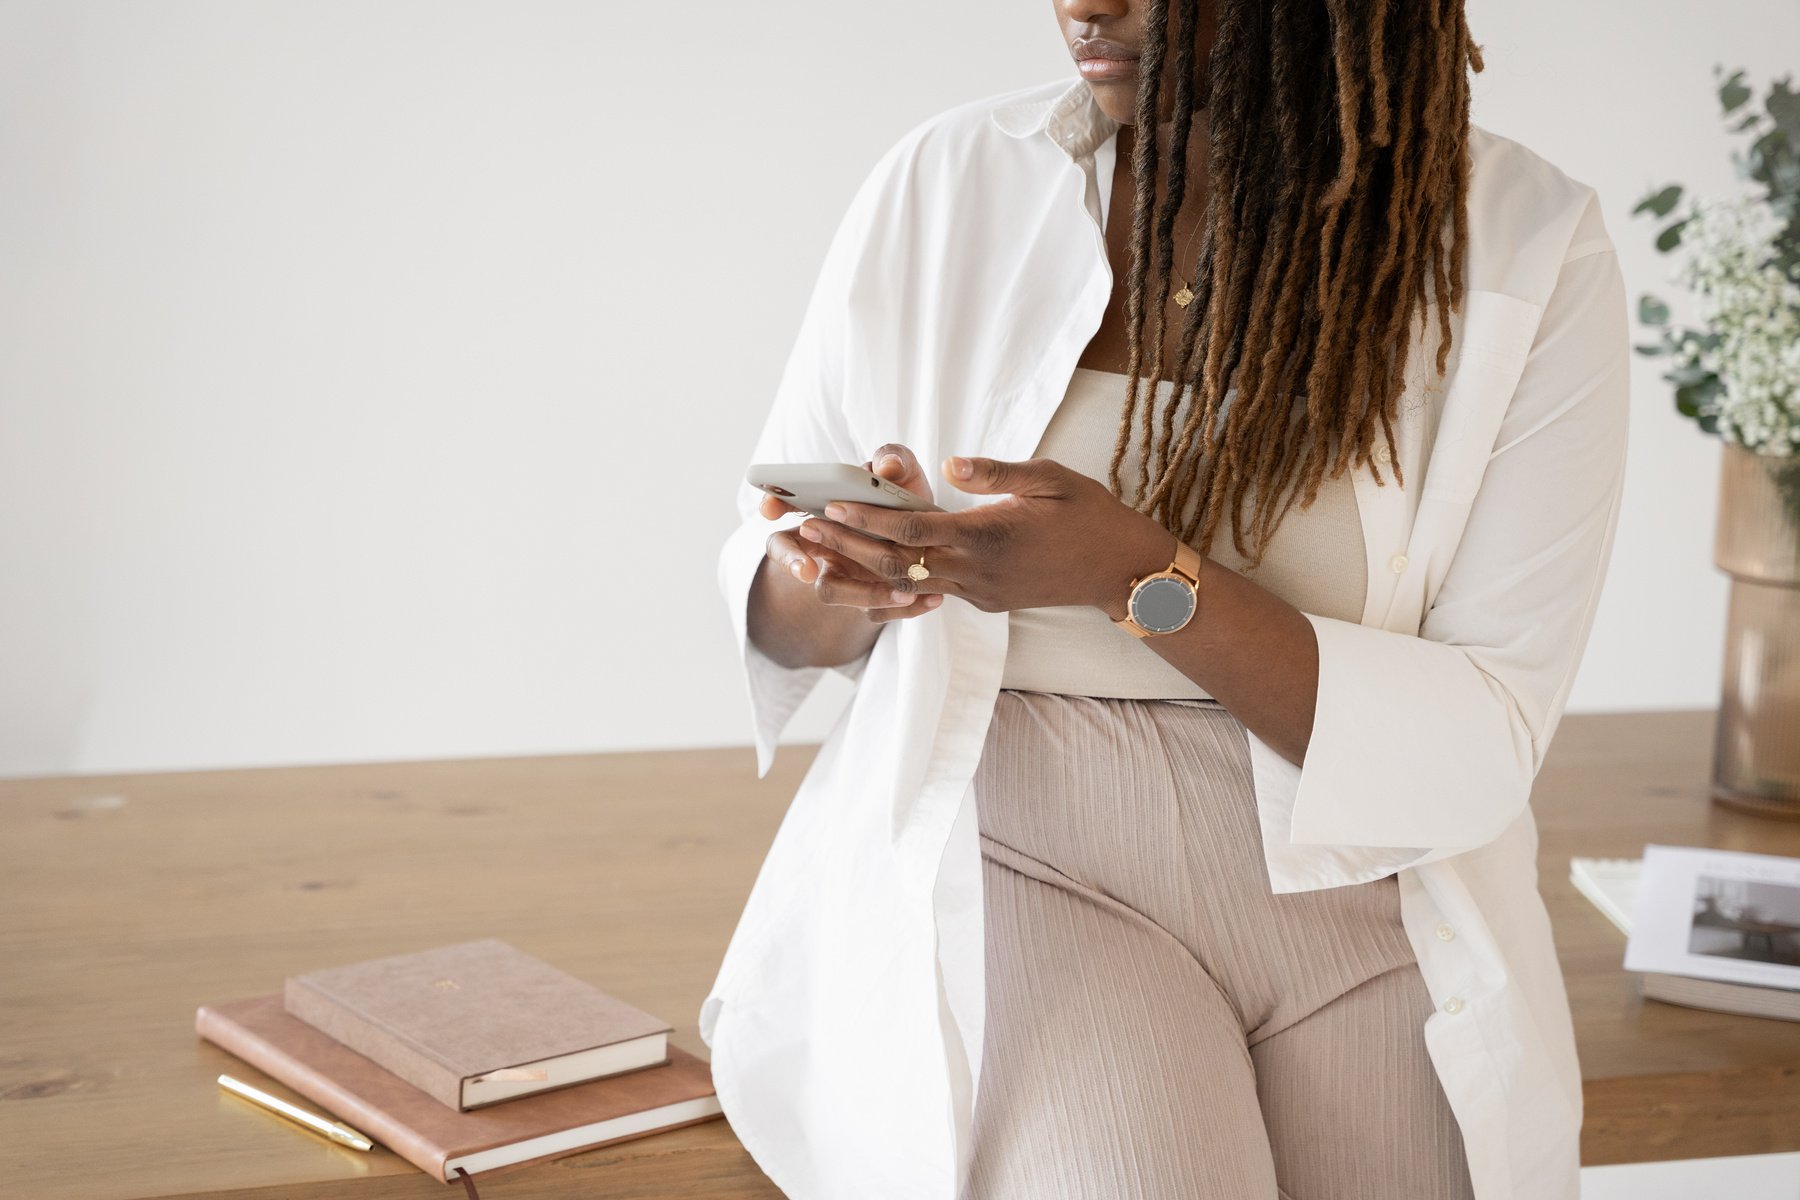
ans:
x=1184 y=297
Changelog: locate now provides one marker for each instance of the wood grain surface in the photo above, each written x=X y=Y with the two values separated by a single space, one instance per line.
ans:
x=1660 y=1081
x=130 y=900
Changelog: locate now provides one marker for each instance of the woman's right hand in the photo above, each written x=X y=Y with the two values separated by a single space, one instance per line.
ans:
x=839 y=580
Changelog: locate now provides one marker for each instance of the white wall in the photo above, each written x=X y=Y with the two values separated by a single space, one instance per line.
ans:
x=1621 y=95
x=349 y=349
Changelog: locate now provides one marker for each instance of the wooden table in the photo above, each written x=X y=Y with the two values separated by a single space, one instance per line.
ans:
x=130 y=900
x=1660 y=1082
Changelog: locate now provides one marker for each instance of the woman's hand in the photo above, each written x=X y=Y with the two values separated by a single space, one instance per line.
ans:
x=837 y=579
x=1060 y=538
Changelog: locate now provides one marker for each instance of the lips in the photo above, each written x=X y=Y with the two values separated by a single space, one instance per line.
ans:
x=1089 y=48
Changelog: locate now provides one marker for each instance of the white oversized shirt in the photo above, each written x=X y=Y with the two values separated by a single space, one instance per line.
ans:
x=957 y=294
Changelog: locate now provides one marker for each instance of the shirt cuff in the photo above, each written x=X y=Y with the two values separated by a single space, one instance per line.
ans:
x=774 y=691
x=1423 y=748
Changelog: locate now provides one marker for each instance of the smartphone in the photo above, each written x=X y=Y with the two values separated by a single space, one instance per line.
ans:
x=811 y=486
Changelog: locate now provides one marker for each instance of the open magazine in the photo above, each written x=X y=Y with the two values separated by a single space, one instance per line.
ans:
x=1712 y=929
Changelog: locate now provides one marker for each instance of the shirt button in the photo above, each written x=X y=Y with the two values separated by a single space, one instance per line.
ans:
x=1383 y=454
x=1453 y=1005
x=1445 y=933
x=1397 y=563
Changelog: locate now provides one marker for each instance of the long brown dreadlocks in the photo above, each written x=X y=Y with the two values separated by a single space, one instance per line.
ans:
x=1339 y=136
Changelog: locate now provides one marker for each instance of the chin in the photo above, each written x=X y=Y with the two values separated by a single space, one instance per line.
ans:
x=1117 y=98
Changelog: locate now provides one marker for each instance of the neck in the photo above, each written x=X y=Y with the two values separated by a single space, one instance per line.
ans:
x=1199 y=147
x=1198 y=152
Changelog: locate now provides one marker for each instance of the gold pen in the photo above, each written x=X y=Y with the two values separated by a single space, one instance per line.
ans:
x=337 y=1131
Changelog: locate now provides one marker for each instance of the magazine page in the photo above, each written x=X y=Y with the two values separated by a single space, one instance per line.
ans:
x=1718 y=914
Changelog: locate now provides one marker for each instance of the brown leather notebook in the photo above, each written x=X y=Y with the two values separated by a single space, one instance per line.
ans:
x=438 y=1139
x=477 y=1022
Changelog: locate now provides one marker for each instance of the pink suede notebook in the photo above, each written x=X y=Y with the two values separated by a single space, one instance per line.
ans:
x=476 y=1023
x=438 y=1139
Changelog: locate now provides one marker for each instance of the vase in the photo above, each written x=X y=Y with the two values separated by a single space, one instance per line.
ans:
x=1756 y=756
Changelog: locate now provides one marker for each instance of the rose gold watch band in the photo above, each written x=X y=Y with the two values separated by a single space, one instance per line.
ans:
x=1186 y=565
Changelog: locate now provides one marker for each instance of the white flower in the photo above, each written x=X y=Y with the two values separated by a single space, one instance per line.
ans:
x=1754 y=308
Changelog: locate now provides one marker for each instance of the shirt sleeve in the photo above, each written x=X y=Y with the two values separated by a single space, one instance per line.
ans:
x=808 y=421
x=1431 y=742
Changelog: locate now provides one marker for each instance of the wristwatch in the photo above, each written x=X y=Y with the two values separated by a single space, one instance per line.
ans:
x=1165 y=600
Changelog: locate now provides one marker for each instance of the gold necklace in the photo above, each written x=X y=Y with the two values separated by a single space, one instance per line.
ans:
x=1185 y=296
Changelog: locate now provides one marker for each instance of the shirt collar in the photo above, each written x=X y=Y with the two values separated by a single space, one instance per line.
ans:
x=1071 y=118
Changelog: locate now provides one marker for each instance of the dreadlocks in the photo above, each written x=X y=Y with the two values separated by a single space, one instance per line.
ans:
x=1338 y=144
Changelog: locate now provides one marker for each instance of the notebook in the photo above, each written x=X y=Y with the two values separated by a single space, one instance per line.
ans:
x=1610 y=884
x=478 y=1022
x=438 y=1139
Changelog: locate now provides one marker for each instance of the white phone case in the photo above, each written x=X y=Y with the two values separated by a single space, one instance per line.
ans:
x=811 y=486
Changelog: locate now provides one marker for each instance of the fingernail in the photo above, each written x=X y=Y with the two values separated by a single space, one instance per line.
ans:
x=961 y=467
x=889 y=458
x=810 y=532
x=902 y=597
x=794 y=567
x=835 y=511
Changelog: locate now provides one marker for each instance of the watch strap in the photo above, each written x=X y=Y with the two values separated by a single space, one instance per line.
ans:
x=1187 y=562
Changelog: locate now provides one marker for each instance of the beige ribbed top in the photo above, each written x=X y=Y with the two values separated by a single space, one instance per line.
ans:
x=1314 y=561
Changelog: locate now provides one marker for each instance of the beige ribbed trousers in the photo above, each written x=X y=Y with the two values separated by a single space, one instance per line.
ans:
x=1160 y=1026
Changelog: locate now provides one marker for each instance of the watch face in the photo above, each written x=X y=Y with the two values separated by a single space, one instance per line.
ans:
x=1162 y=605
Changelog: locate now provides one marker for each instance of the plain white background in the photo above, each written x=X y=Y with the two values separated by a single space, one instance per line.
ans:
x=376 y=376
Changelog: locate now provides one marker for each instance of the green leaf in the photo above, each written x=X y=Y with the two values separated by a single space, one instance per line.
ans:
x=1785 y=178
x=1652 y=311
x=1650 y=350
x=1733 y=93
x=1691 y=399
x=1783 y=104
x=1658 y=204
x=1775 y=154
x=1670 y=238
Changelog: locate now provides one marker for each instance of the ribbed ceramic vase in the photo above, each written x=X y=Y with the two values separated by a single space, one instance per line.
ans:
x=1756 y=759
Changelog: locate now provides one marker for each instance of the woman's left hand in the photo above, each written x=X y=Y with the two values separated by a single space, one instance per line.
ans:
x=1060 y=538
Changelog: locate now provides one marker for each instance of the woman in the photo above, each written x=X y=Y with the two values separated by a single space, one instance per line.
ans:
x=1147 y=861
